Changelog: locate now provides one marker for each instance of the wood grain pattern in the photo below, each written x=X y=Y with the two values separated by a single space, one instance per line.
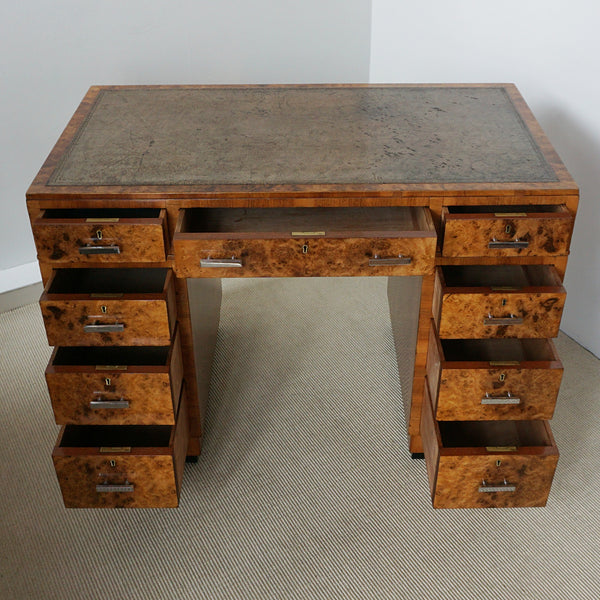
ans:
x=138 y=240
x=470 y=235
x=323 y=257
x=146 y=322
x=462 y=314
x=459 y=478
x=152 y=392
x=154 y=472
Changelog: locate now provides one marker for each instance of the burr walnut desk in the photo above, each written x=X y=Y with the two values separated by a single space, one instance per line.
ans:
x=154 y=193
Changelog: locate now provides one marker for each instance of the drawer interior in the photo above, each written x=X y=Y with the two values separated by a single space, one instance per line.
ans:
x=286 y=222
x=463 y=434
x=498 y=350
x=138 y=436
x=109 y=214
x=510 y=210
x=111 y=355
x=500 y=276
x=108 y=281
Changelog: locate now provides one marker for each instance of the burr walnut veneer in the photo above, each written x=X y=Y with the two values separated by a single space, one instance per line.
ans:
x=154 y=193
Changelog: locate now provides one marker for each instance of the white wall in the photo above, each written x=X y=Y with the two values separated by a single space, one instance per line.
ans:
x=51 y=52
x=551 y=50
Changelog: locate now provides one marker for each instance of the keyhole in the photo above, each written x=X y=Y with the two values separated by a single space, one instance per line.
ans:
x=305 y=249
x=107 y=381
x=508 y=229
x=498 y=463
x=503 y=301
x=103 y=309
x=113 y=463
x=502 y=377
x=99 y=234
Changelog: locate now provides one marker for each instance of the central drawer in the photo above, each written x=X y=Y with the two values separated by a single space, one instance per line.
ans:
x=296 y=242
x=109 y=307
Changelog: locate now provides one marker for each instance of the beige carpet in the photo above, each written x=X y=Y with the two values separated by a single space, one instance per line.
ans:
x=305 y=488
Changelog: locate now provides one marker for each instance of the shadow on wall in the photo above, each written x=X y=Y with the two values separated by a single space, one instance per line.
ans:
x=580 y=151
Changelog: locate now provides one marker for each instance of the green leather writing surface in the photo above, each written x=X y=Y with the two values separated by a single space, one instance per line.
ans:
x=303 y=135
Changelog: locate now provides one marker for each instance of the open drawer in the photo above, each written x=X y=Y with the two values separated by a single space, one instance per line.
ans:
x=475 y=301
x=117 y=466
x=296 y=242
x=111 y=235
x=479 y=464
x=115 y=385
x=109 y=307
x=529 y=230
x=491 y=379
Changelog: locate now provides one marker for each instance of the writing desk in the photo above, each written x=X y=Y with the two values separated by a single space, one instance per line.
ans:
x=154 y=193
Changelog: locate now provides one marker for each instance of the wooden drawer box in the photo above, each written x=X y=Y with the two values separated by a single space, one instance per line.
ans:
x=295 y=242
x=480 y=464
x=101 y=235
x=118 y=466
x=506 y=230
x=524 y=301
x=115 y=385
x=492 y=379
x=109 y=307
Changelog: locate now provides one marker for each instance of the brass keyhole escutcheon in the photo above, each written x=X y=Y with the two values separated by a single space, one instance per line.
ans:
x=508 y=229
x=104 y=309
x=498 y=462
x=107 y=381
x=113 y=463
x=502 y=377
x=305 y=249
x=503 y=301
x=99 y=234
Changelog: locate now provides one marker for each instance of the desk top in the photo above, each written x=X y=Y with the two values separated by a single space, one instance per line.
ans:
x=214 y=140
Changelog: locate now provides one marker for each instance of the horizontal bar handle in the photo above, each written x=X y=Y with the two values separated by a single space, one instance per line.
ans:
x=221 y=262
x=497 y=244
x=104 y=327
x=512 y=320
x=99 y=250
x=484 y=488
x=109 y=403
x=377 y=261
x=507 y=399
x=108 y=487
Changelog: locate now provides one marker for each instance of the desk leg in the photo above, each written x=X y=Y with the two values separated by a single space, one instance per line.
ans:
x=410 y=312
x=198 y=312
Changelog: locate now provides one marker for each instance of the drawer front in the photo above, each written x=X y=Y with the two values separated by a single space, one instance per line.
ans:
x=116 y=395
x=480 y=482
x=102 y=240
x=500 y=314
x=497 y=393
x=142 y=477
x=485 y=477
x=504 y=234
x=482 y=390
x=107 y=322
x=310 y=256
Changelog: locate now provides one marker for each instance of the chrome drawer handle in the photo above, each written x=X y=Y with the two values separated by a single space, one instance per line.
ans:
x=512 y=320
x=221 y=262
x=497 y=244
x=107 y=488
x=484 y=488
x=508 y=399
x=99 y=250
x=109 y=403
x=376 y=261
x=104 y=328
